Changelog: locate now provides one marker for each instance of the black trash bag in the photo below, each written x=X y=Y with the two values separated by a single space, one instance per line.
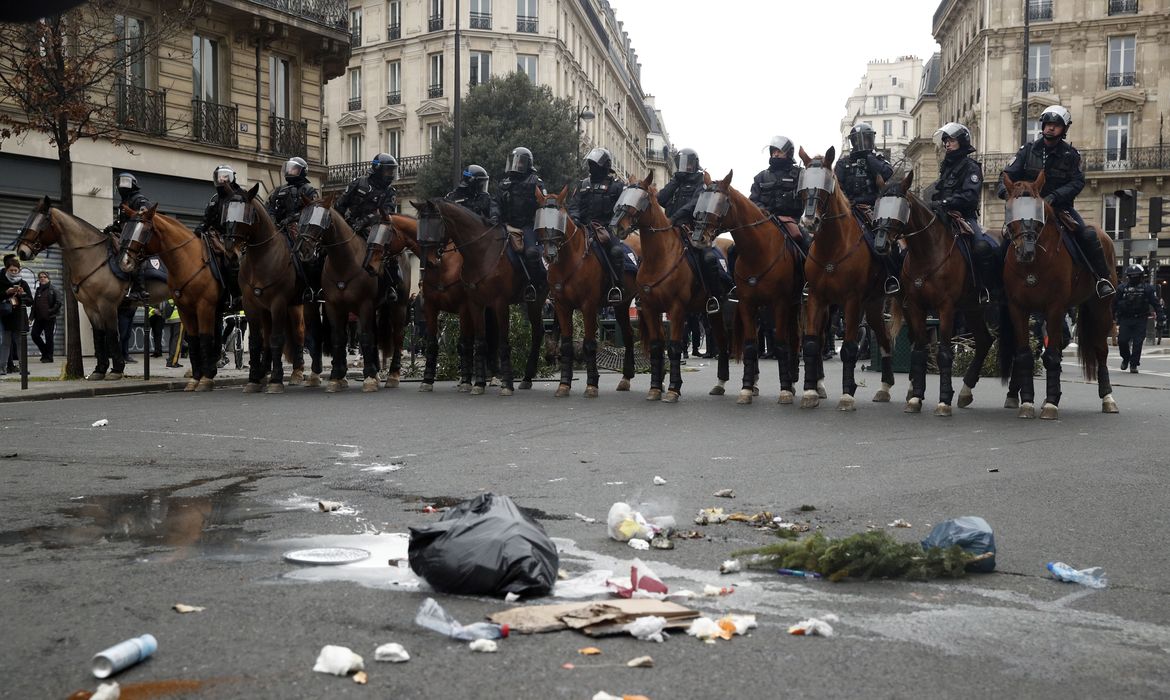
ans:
x=485 y=546
x=970 y=532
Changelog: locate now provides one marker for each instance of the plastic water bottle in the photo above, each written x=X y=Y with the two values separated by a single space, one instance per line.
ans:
x=432 y=616
x=1093 y=577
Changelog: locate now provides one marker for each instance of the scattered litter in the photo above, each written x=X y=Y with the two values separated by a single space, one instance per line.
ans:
x=899 y=523
x=615 y=483
x=709 y=630
x=602 y=695
x=724 y=493
x=432 y=616
x=993 y=470
x=587 y=585
x=107 y=691
x=853 y=466
x=392 y=652
x=568 y=666
x=661 y=541
x=687 y=535
x=798 y=573
x=761 y=518
x=589 y=651
x=559 y=478
x=972 y=534
x=779 y=524
x=641 y=662
x=715 y=591
x=184 y=608
x=638 y=544
x=329 y=506
x=648 y=629
x=485 y=546
x=511 y=597
x=711 y=516
x=101 y=423
x=486 y=646
x=339 y=661
x=361 y=678
x=430 y=509
x=814 y=627
x=643 y=583
x=327 y=556
x=625 y=523
x=584 y=518
x=123 y=655
x=806 y=508
x=731 y=566
x=659 y=481
x=596 y=618
x=1093 y=577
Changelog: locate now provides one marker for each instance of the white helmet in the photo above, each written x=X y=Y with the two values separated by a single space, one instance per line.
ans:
x=782 y=144
x=1056 y=113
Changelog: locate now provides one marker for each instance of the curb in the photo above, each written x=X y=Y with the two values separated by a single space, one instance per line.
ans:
x=119 y=389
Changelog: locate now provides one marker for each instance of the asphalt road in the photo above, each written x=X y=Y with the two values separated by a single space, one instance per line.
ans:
x=193 y=498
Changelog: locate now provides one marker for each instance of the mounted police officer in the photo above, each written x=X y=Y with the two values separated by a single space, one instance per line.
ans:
x=958 y=191
x=858 y=177
x=1131 y=308
x=285 y=204
x=362 y=204
x=472 y=193
x=518 y=209
x=775 y=189
x=678 y=198
x=223 y=177
x=1064 y=180
x=132 y=197
x=592 y=206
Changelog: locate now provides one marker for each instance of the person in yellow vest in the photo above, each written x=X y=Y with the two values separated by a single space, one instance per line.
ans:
x=175 y=331
x=155 y=322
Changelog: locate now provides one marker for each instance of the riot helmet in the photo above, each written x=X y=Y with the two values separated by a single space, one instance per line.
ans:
x=783 y=144
x=688 y=161
x=295 y=168
x=1135 y=272
x=127 y=184
x=384 y=166
x=1056 y=115
x=223 y=176
x=520 y=161
x=599 y=163
x=862 y=137
x=475 y=178
x=956 y=131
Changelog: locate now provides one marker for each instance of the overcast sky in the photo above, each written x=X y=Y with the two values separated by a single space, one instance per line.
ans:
x=728 y=75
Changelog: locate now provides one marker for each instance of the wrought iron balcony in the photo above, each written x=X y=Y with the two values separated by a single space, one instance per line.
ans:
x=354 y=105
x=481 y=20
x=1097 y=160
x=330 y=13
x=1113 y=80
x=658 y=155
x=394 y=31
x=1040 y=10
x=288 y=137
x=1123 y=7
x=142 y=110
x=1039 y=84
x=435 y=90
x=394 y=98
x=214 y=123
x=343 y=173
x=355 y=38
x=435 y=23
x=527 y=24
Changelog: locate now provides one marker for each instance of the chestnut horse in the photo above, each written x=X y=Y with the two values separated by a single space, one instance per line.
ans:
x=198 y=295
x=391 y=316
x=935 y=276
x=1043 y=276
x=87 y=253
x=578 y=281
x=492 y=283
x=840 y=270
x=666 y=284
x=767 y=274
x=272 y=294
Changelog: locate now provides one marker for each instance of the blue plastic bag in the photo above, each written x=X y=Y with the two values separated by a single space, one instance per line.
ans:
x=970 y=532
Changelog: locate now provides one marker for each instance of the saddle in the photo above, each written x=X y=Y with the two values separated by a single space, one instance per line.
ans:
x=960 y=223
x=789 y=226
x=516 y=236
x=601 y=233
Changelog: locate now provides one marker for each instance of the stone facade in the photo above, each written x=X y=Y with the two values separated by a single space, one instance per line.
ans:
x=883 y=99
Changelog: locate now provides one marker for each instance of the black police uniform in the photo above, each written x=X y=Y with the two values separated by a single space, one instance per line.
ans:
x=285 y=204
x=1131 y=308
x=593 y=203
x=518 y=210
x=136 y=201
x=678 y=198
x=857 y=175
x=475 y=199
x=1064 y=180
x=213 y=221
x=959 y=189
x=359 y=205
x=776 y=191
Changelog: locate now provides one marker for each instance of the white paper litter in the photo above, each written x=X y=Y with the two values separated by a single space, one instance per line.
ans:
x=587 y=585
x=487 y=646
x=899 y=523
x=584 y=518
x=100 y=423
x=602 y=695
x=814 y=627
x=511 y=597
x=648 y=629
x=659 y=481
x=184 y=608
x=339 y=661
x=329 y=506
x=731 y=566
x=638 y=544
x=393 y=652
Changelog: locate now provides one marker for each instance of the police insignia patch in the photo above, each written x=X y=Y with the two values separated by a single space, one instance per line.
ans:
x=974 y=178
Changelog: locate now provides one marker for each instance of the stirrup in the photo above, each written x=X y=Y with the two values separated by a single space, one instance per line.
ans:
x=893 y=286
x=712 y=305
x=1105 y=288
x=530 y=293
x=804 y=291
x=733 y=294
x=615 y=295
x=984 y=295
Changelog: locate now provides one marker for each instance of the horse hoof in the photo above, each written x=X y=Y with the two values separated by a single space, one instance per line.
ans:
x=562 y=391
x=205 y=384
x=476 y=391
x=1027 y=410
x=966 y=398
x=745 y=397
x=913 y=405
x=370 y=384
x=191 y=384
x=274 y=388
x=525 y=385
x=426 y=388
x=654 y=395
x=717 y=390
x=252 y=388
x=847 y=403
x=494 y=382
x=96 y=376
x=393 y=380
x=786 y=398
x=1108 y=405
x=1011 y=402
x=755 y=391
x=297 y=378
x=943 y=410
x=463 y=388
x=188 y=375
x=810 y=399
x=590 y=392
x=821 y=392
x=505 y=391
x=114 y=376
x=314 y=380
x=881 y=396
x=623 y=385
x=671 y=396
x=1049 y=411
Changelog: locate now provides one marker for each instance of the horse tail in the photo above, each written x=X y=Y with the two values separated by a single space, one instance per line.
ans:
x=1007 y=344
x=1089 y=325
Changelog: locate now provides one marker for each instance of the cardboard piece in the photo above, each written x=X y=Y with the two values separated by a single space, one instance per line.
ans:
x=594 y=618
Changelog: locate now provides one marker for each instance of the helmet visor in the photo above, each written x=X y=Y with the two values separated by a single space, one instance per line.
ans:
x=892 y=209
x=688 y=162
x=224 y=176
x=519 y=162
x=126 y=182
x=293 y=169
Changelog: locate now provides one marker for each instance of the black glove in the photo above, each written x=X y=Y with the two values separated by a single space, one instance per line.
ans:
x=1051 y=199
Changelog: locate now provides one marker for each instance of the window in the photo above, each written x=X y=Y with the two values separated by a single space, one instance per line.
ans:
x=435 y=15
x=526 y=19
x=130 y=31
x=1121 y=62
x=357 y=154
x=887 y=127
x=394 y=142
x=1033 y=129
x=901 y=104
x=355 y=27
x=433 y=132
x=278 y=87
x=205 y=68
x=879 y=103
x=1116 y=141
x=1111 y=219
x=355 y=89
x=893 y=80
x=1040 y=10
x=1039 y=68
x=905 y=128
x=1123 y=7
x=481 y=14
x=393 y=20
x=393 y=83
x=435 y=88
x=526 y=64
x=481 y=67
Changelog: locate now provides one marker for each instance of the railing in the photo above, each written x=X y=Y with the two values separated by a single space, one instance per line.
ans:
x=355 y=38
x=354 y=105
x=331 y=13
x=1123 y=7
x=1040 y=11
x=342 y=173
x=394 y=31
x=435 y=23
x=435 y=90
x=288 y=137
x=214 y=123
x=1113 y=80
x=394 y=98
x=527 y=24
x=142 y=110
x=659 y=155
x=1096 y=160
x=481 y=20
x=1039 y=84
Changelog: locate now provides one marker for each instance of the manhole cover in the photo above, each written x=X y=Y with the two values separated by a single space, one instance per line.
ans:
x=327 y=556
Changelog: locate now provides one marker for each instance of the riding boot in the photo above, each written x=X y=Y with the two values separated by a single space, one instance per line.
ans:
x=989 y=270
x=712 y=281
x=733 y=293
x=137 y=291
x=1091 y=246
x=534 y=271
x=393 y=280
x=617 y=266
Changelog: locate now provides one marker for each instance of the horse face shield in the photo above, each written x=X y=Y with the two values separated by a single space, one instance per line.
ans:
x=549 y=224
x=376 y=246
x=632 y=202
x=1025 y=216
x=709 y=211
x=315 y=220
x=431 y=231
x=816 y=185
x=887 y=211
x=135 y=234
x=27 y=246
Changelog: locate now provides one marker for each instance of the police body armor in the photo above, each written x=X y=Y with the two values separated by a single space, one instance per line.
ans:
x=1062 y=169
x=778 y=191
x=596 y=200
x=479 y=202
x=286 y=201
x=682 y=193
x=957 y=178
x=363 y=200
x=858 y=184
x=1133 y=302
x=518 y=200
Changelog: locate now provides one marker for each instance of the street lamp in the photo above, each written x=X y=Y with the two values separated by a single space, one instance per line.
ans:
x=584 y=114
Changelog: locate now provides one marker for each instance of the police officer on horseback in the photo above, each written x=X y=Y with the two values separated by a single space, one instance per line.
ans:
x=678 y=198
x=957 y=192
x=592 y=206
x=131 y=196
x=285 y=204
x=472 y=193
x=858 y=177
x=223 y=177
x=1131 y=308
x=775 y=189
x=362 y=204
x=518 y=208
x=1064 y=180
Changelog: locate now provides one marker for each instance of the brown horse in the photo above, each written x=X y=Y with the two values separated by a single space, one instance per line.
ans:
x=87 y=253
x=492 y=282
x=667 y=283
x=840 y=270
x=197 y=294
x=1043 y=276
x=272 y=293
x=767 y=275
x=392 y=316
x=577 y=280
x=935 y=276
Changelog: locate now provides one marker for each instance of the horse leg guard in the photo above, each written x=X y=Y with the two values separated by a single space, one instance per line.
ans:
x=918 y=359
x=811 y=349
x=751 y=366
x=102 y=353
x=276 y=348
x=1051 y=360
x=369 y=354
x=1022 y=368
x=210 y=351
x=506 y=366
x=784 y=368
x=656 y=368
x=566 y=352
x=592 y=377
x=431 y=352
x=479 y=362
x=674 y=351
x=849 y=367
x=946 y=362
x=256 y=366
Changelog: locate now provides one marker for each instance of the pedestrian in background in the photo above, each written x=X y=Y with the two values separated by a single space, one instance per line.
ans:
x=13 y=315
x=46 y=307
x=174 y=329
x=156 y=320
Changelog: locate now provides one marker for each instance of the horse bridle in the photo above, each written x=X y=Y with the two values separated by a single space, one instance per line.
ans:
x=636 y=214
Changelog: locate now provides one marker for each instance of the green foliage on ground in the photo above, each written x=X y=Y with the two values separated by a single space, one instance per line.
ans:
x=447 y=368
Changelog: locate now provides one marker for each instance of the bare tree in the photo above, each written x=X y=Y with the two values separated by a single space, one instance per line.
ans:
x=65 y=77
